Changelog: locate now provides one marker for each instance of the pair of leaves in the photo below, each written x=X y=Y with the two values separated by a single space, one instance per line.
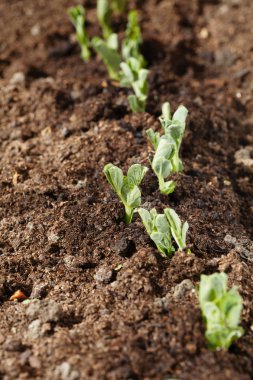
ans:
x=126 y=187
x=221 y=310
x=77 y=16
x=162 y=227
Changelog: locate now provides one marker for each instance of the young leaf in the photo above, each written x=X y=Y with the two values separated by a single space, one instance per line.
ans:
x=135 y=174
x=110 y=57
x=104 y=17
x=174 y=129
x=154 y=137
x=133 y=40
x=77 y=16
x=161 y=164
x=126 y=187
x=114 y=176
x=158 y=229
x=178 y=232
x=119 y=6
x=221 y=310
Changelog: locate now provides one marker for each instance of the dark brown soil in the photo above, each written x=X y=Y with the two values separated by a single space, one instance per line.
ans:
x=62 y=234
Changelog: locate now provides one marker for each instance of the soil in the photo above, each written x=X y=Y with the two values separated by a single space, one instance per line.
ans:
x=107 y=305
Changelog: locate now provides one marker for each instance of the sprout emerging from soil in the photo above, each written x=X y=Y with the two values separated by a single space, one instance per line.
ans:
x=119 y=6
x=178 y=230
x=132 y=74
x=104 y=14
x=126 y=187
x=221 y=311
x=77 y=16
x=125 y=64
x=166 y=158
x=158 y=229
x=162 y=227
x=108 y=52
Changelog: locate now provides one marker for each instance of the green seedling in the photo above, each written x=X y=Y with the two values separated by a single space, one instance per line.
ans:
x=104 y=15
x=132 y=75
x=158 y=229
x=178 y=230
x=221 y=311
x=162 y=161
x=126 y=187
x=166 y=159
x=119 y=6
x=162 y=227
x=174 y=128
x=77 y=16
x=133 y=40
x=107 y=50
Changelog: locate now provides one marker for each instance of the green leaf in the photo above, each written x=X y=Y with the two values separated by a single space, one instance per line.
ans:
x=135 y=104
x=110 y=57
x=158 y=229
x=126 y=187
x=178 y=233
x=114 y=176
x=221 y=310
x=127 y=76
x=166 y=113
x=212 y=287
x=162 y=224
x=113 y=42
x=104 y=17
x=174 y=219
x=184 y=232
x=132 y=196
x=136 y=173
x=132 y=41
x=154 y=137
x=180 y=114
x=168 y=187
x=147 y=219
x=77 y=16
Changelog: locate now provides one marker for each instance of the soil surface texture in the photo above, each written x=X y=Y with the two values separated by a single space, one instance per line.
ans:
x=106 y=305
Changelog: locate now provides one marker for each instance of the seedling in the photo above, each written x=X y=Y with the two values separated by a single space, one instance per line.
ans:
x=166 y=159
x=133 y=40
x=174 y=128
x=77 y=16
x=158 y=229
x=133 y=75
x=104 y=14
x=126 y=187
x=221 y=311
x=108 y=52
x=105 y=9
x=162 y=227
x=119 y=6
x=178 y=230
x=162 y=162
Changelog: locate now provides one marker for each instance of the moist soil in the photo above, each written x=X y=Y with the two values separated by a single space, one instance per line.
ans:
x=106 y=304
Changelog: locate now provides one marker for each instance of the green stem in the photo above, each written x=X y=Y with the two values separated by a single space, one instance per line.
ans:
x=128 y=214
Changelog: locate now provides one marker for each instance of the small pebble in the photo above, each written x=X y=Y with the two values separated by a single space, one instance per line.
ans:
x=18 y=77
x=104 y=275
x=124 y=247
